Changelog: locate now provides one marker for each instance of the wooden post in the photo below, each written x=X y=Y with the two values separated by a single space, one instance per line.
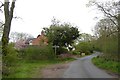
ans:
x=56 y=49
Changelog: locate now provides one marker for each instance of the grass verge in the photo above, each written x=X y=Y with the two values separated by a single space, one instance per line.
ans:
x=26 y=69
x=0 y=66
x=111 y=66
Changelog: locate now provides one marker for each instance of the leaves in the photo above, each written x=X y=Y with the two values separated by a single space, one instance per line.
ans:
x=61 y=34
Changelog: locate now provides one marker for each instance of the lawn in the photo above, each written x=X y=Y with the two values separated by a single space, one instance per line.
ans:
x=26 y=69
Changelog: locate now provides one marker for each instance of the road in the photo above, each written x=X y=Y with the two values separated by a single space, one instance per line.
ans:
x=83 y=68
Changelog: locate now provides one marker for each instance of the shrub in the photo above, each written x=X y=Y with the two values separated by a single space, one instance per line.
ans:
x=75 y=52
x=38 y=52
x=10 y=60
x=61 y=50
x=85 y=47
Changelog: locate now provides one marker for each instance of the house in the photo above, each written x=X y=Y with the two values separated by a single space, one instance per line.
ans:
x=40 y=40
x=29 y=41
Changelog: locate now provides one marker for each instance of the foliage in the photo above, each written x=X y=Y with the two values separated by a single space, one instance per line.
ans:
x=8 y=53
x=110 y=65
x=38 y=52
x=62 y=50
x=85 y=44
x=108 y=29
x=111 y=9
x=75 y=52
x=9 y=60
x=84 y=37
x=107 y=42
x=84 y=47
x=61 y=35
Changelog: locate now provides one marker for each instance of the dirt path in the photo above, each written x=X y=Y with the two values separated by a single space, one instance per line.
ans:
x=55 y=71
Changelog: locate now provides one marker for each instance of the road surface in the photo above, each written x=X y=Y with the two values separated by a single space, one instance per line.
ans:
x=83 y=68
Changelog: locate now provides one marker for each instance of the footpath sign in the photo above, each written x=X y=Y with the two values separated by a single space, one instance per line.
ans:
x=55 y=46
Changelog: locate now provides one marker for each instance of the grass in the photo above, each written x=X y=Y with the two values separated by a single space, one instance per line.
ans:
x=26 y=69
x=111 y=66
x=0 y=66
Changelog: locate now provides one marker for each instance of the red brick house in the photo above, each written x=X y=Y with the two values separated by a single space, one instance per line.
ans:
x=41 y=39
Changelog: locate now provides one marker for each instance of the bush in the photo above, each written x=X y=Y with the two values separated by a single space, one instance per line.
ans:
x=75 y=52
x=38 y=52
x=10 y=60
x=85 y=47
x=61 y=50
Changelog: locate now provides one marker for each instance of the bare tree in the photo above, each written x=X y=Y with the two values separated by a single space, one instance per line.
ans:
x=8 y=14
x=110 y=9
x=16 y=36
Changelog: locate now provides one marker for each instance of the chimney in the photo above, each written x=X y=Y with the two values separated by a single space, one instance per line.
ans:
x=42 y=32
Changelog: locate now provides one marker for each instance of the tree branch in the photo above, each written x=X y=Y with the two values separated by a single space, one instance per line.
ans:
x=113 y=22
x=16 y=17
x=2 y=24
x=12 y=9
x=1 y=5
x=99 y=6
x=112 y=33
x=6 y=9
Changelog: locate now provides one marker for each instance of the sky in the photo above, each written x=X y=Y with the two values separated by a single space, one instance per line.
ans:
x=36 y=14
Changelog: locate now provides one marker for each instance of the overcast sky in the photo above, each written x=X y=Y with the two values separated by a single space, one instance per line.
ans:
x=37 y=14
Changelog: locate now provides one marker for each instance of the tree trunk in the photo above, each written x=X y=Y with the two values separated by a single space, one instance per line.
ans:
x=8 y=19
x=118 y=36
x=8 y=13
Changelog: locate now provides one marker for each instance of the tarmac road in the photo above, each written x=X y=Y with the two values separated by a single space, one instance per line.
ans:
x=84 y=68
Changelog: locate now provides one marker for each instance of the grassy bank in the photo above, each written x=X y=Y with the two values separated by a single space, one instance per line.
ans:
x=0 y=66
x=26 y=69
x=111 y=66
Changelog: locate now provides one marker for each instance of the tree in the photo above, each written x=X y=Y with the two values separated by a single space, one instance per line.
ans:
x=107 y=42
x=111 y=10
x=85 y=37
x=6 y=51
x=85 y=43
x=84 y=47
x=1 y=28
x=104 y=26
x=61 y=35
x=8 y=13
x=16 y=36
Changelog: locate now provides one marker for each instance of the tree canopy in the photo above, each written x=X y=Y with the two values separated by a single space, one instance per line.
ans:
x=61 y=34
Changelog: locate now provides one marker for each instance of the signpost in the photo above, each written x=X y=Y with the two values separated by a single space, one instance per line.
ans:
x=55 y=46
